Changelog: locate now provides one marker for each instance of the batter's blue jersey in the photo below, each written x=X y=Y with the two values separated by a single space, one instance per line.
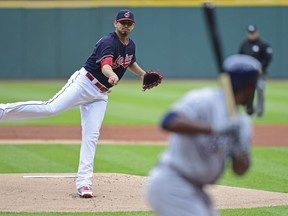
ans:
x=110 y=46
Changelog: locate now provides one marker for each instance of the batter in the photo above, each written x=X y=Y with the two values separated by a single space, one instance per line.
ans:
x=88 y=88
x=202 y=138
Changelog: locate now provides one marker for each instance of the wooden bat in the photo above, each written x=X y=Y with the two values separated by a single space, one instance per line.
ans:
x=224 y=78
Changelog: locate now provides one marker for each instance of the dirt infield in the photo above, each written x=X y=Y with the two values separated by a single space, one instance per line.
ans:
x=57 y=193
x=114 y=192
x=264 y=135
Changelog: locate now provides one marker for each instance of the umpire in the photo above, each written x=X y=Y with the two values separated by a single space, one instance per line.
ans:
x=262 y=51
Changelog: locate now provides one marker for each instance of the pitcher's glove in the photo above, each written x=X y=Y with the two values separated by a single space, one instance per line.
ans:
x=151 y=79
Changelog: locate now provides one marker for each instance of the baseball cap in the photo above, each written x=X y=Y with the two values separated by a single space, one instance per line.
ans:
x=243 y=70
x=251 y=28
x=125 y=15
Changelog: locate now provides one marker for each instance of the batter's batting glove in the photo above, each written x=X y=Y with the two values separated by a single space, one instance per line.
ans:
x=151 y=79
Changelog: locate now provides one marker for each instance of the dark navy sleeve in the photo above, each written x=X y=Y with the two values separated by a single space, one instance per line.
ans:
x=266 y=55
x=104 y=48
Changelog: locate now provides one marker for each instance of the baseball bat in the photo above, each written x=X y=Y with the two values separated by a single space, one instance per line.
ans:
x=209 y=13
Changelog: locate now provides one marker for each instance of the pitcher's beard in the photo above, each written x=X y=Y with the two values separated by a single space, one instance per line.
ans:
x=124 y=33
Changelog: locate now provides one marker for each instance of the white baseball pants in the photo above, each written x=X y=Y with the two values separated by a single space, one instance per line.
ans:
x=78 y=91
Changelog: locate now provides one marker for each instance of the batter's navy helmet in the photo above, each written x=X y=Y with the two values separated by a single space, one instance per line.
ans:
x=243 y=70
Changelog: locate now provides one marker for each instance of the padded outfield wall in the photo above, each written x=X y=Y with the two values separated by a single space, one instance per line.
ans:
x=52 y=39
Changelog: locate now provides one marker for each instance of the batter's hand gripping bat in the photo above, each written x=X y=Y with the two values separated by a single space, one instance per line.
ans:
x=224 y=78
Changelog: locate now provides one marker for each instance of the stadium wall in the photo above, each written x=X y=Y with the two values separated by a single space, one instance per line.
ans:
x=53 y=42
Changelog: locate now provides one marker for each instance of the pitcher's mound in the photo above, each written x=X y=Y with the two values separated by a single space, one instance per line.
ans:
x=112 y=192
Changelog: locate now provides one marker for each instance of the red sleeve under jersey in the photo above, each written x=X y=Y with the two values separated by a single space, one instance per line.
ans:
x=107 y=60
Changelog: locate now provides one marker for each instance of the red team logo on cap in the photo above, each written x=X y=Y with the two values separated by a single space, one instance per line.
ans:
x=127 y=14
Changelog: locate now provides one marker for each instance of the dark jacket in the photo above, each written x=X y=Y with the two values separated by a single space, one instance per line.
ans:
x=258 y=49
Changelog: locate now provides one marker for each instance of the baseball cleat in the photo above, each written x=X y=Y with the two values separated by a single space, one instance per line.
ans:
x=85 y=192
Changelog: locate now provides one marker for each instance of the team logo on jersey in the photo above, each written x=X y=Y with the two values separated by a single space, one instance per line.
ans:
x=122 y=61
x=255 y=48
x=127 y=14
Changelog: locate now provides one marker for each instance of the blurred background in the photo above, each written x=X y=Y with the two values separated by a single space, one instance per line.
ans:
x=52 y=39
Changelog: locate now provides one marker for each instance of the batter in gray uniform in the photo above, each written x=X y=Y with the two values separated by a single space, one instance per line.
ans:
x=203 y=138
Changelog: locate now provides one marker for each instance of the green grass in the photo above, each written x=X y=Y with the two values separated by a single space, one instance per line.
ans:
x=64 y=158
x=129 y=105
x=265 y=211
x=268 y=172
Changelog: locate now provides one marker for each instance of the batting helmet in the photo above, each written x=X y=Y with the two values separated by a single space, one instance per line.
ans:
x=243 y=70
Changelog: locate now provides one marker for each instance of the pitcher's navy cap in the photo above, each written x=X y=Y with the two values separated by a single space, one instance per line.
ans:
x=243 y=70
x=125 y=15
x=251 y=28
